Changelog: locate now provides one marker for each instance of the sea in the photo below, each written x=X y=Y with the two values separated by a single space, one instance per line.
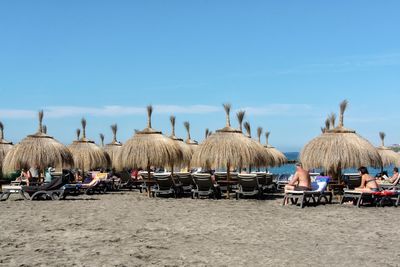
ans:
x=290 y=168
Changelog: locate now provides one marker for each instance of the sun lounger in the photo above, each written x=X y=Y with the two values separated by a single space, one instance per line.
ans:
x=248 y=186
x=52 y=190
x=95 y=186
x=165 y=186
x=204 y=186
x=282 y=181
x=265 y=180
x=380 y=198
x=352 y=180
x=7 y=190
x=223 y=176
x=315 y=195
x=186 y=181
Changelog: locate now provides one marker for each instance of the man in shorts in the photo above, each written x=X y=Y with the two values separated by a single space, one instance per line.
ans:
x=301 y=180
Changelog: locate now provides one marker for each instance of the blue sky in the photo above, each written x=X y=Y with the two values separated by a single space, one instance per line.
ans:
x=288 y=63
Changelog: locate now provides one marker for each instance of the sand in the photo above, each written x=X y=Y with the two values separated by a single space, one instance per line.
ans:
x=129 y=229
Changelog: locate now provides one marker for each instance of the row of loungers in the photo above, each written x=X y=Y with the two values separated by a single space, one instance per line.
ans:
x=389 y=194
x=59 y=188
x=202 y=185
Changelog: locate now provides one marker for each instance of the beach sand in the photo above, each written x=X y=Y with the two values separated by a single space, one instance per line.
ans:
x=129 y=229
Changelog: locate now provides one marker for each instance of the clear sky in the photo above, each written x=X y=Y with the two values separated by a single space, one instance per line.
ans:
x=288 y=63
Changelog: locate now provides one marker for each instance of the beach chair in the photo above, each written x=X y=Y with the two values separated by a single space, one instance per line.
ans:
x=8 y=190
x=223 y=176
x=380 y=199
x=186 y=181
x=282 y=181
x=204 y=186
x=248 y=186
x=165 y=186
x=48 y=191
x=386 y=185
x=351 y=181
x=316 y=194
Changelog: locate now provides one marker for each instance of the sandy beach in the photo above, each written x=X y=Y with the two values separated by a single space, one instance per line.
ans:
x=128 y=229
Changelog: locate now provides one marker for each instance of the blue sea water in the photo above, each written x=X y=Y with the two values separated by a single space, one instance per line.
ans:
x=290 y=168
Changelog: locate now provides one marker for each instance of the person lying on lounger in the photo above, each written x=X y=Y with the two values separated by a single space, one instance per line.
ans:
x=394 y=179
x=368 y=183
x=301 y=180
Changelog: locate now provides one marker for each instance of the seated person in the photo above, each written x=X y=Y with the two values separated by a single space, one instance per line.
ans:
x=78 y=176
x=301 y=180
x=395 y=178
x=368 y=183
x=48 y=175
x=24 y=177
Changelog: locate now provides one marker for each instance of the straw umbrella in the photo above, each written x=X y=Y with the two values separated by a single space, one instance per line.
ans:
x=184 y=147
x=5 y=146
x=87 y=155
x=339 y=148
x=149 y=147
x=266 y=154
x=279 y=157
x=388 y=156
x=227 y=148
x=266 y=159
x=114 y=147
x=38 y=150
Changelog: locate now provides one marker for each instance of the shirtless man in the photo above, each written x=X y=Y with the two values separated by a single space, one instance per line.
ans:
x=301 y=180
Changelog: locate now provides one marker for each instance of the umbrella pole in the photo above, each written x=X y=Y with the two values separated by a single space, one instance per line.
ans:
x=228 y=172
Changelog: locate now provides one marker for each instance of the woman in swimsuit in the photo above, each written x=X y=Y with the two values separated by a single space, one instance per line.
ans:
x=368 y=183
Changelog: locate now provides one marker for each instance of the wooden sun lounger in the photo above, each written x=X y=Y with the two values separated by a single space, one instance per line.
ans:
x=376 y=199
x=305 y=197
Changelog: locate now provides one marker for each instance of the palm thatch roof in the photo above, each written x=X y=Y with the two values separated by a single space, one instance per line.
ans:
x=279 y=157
x=184 y=147
x=114 y=148
x=226 y=148
x=149 y=147
x=339 y=148
x=268 y=157
x=192 y=143
x=5 y=145
x=38 y=150
x=87 y=155
x=388 y=156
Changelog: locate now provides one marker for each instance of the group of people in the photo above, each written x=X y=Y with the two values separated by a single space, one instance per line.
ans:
x=301 y=180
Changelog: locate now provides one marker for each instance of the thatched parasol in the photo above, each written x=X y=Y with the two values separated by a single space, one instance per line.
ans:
x=114 y=148
x=87 y=155
x=279 y=157
x=339 y=148
x=148 y=148
x=266 y=154
x=5 y=146
x=388 y=156
x=226 y=148
x=38 y=150
x=184 y=147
